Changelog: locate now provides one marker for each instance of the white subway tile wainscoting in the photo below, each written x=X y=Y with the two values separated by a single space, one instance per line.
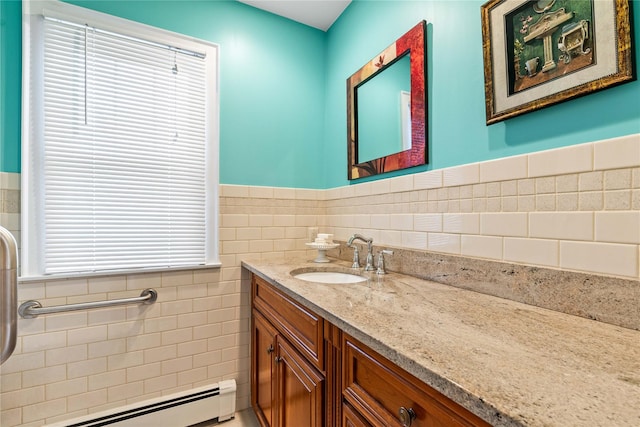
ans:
x=537 y=207
x=573 y=209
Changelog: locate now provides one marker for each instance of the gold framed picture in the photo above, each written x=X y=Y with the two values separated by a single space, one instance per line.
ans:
x=540 y=53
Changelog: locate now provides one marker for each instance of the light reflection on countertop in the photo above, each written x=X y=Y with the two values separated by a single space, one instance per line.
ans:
x=511 y=364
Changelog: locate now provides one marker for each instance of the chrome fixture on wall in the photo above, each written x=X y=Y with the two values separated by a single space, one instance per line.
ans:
x=8 y=293
x=31 y=309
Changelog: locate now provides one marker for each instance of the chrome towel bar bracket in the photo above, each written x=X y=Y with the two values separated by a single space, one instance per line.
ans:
x=32 y=309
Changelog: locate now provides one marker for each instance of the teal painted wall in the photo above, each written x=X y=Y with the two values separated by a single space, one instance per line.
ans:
x=283 y=88
x=10 y=81
x=457 y=133
x=271 y=86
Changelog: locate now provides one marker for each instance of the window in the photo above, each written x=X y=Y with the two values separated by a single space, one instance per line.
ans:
x=120 y=145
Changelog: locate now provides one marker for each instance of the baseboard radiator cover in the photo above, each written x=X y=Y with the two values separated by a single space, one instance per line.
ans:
x=176 y=410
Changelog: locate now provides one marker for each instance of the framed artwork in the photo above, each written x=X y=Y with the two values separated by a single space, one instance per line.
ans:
x=540 y=53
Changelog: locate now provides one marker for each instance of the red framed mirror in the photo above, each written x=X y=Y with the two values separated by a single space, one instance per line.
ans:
x=386 y=123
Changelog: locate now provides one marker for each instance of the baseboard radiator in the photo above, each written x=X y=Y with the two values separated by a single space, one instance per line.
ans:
x=177 y=410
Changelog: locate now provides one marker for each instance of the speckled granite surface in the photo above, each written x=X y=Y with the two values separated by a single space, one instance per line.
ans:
x=510 y=363
x=607 y=299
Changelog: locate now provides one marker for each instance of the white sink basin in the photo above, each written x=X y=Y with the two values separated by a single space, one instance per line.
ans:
x=330 y=277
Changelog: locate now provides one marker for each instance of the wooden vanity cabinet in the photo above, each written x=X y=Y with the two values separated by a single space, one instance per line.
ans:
x=306 y=372
x=287 y=383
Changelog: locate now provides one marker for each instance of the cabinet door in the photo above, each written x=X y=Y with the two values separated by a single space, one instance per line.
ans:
x=300 y=389
x=263 y=342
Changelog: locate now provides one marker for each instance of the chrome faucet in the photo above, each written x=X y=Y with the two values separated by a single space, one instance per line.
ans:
x=356 y=261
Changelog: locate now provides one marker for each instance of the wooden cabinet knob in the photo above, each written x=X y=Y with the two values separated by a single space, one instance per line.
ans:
x=278 y=359
x=406 y=416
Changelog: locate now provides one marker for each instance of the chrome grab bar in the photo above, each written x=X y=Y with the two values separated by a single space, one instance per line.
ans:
x=8 y=293
x=32 y=309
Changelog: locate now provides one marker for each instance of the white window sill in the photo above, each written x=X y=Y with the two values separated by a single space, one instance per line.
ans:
x=66 y=276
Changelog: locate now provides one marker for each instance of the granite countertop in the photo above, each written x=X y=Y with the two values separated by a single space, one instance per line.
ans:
x=510 y=363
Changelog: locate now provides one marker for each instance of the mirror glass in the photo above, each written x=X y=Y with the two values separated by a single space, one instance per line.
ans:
x=383 y=105
x=386 y=109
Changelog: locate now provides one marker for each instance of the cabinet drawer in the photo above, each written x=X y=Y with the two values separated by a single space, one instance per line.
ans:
x=300 y=326
x=378 y=390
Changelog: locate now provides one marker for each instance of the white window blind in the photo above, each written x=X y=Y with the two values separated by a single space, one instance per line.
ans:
x=123 y=166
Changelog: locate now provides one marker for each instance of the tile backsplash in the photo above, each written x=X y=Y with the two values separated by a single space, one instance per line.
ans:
x=573 y=209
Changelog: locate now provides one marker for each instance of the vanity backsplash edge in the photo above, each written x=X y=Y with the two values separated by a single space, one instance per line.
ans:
x=602 y=298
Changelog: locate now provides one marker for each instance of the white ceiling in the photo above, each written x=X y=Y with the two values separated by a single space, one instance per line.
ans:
x=319 y=14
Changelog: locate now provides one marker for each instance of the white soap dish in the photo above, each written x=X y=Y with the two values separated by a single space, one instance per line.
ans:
x=322 y=250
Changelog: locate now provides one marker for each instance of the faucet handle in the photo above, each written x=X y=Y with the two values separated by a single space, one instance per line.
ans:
x=381 y=255
x=356 y=258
